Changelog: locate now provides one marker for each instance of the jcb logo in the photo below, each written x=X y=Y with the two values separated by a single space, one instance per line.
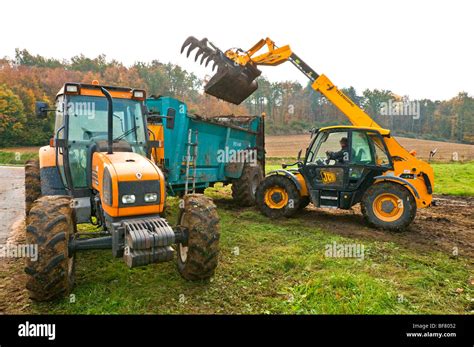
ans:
x=328 y=177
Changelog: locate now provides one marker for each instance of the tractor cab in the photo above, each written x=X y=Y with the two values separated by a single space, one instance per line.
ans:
x=98 y=129
x=81 y=128
x=341 y=161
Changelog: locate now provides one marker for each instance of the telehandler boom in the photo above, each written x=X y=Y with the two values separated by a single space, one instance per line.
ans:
x=371 y=167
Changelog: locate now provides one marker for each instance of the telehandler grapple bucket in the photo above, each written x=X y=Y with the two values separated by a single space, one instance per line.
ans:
x=233 y=82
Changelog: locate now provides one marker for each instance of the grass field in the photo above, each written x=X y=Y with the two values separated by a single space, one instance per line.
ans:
x=454 y=178
x=289 y=145
x=16 y=157
x=275 y=267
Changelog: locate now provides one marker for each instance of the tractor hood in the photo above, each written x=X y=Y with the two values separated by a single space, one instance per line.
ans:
x=130 y=166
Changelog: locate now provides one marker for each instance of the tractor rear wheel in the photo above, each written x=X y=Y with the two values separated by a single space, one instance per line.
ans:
x=50 y=226
x=32 y=183
x=198 y=256
x=277 y=196
x=388 y=206
x=244 y=188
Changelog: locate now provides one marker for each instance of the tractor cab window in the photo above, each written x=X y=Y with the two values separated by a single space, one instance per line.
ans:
x=59 y=116
x=361 y=149
x=59 y=133
x=88 y=120
x=88 y=125
x=330 y=148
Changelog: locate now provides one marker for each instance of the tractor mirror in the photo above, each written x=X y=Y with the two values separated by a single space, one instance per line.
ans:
x=170 y=115
x=299 y=154
x=41 y=109
x=432 y=153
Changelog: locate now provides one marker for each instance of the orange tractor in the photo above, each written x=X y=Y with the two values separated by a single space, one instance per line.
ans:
x=97 y=170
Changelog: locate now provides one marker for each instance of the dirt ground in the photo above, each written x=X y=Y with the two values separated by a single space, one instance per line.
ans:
x=12 y=206
x=447 y=227
x=289 y=145
x=13 y=294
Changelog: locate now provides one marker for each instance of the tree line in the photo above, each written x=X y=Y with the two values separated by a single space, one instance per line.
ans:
x=289 y=106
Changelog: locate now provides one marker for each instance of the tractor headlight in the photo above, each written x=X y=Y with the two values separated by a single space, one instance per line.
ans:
x=71 y=89
x=128 y=199
x=151 y=197
x=138 y=94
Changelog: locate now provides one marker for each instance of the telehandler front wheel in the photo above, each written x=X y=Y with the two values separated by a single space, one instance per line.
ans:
x=277 y=196
x=50 y=225
x=32 y=183
x=388 y=206
x=305 y=201
x=198 y=256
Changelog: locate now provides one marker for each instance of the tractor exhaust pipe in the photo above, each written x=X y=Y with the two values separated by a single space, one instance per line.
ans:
x=233 y=82
x=110 y=120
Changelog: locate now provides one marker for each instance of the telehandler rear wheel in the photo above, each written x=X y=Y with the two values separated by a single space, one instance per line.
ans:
x=50 y=225
x=244 y=188
x=388 y=206
x=32 y=183
x=277 y=196
x=198 y=257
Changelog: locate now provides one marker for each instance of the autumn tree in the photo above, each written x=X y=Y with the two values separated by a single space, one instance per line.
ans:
x=11 y=117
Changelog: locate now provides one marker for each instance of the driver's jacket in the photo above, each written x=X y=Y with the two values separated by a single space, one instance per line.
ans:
x=341 y=156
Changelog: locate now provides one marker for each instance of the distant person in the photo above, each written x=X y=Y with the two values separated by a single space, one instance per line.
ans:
x=341 y=156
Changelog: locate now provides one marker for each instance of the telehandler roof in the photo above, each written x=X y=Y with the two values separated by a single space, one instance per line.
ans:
x=382 y=131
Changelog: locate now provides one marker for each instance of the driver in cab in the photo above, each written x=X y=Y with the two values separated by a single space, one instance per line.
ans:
x=341 y=156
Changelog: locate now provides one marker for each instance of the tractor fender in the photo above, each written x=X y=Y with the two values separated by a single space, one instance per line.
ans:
x=300 y=184
x=399 y=180
x=51 y=183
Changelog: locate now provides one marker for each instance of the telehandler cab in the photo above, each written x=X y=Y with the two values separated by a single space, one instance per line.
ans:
x=97 y=170
x=369 y=167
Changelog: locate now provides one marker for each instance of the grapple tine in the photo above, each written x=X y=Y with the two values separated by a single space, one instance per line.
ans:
x=211 y=58
x=188 y=41
x=199 y=52
x=204 y=56
x=191 y=48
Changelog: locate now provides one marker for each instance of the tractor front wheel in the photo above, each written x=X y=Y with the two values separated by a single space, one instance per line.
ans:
x=198 y=255
x=277 y=196
x=388 y=206
x=50 y=226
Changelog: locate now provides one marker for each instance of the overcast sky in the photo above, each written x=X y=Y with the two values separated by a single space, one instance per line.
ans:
x=423 y=49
